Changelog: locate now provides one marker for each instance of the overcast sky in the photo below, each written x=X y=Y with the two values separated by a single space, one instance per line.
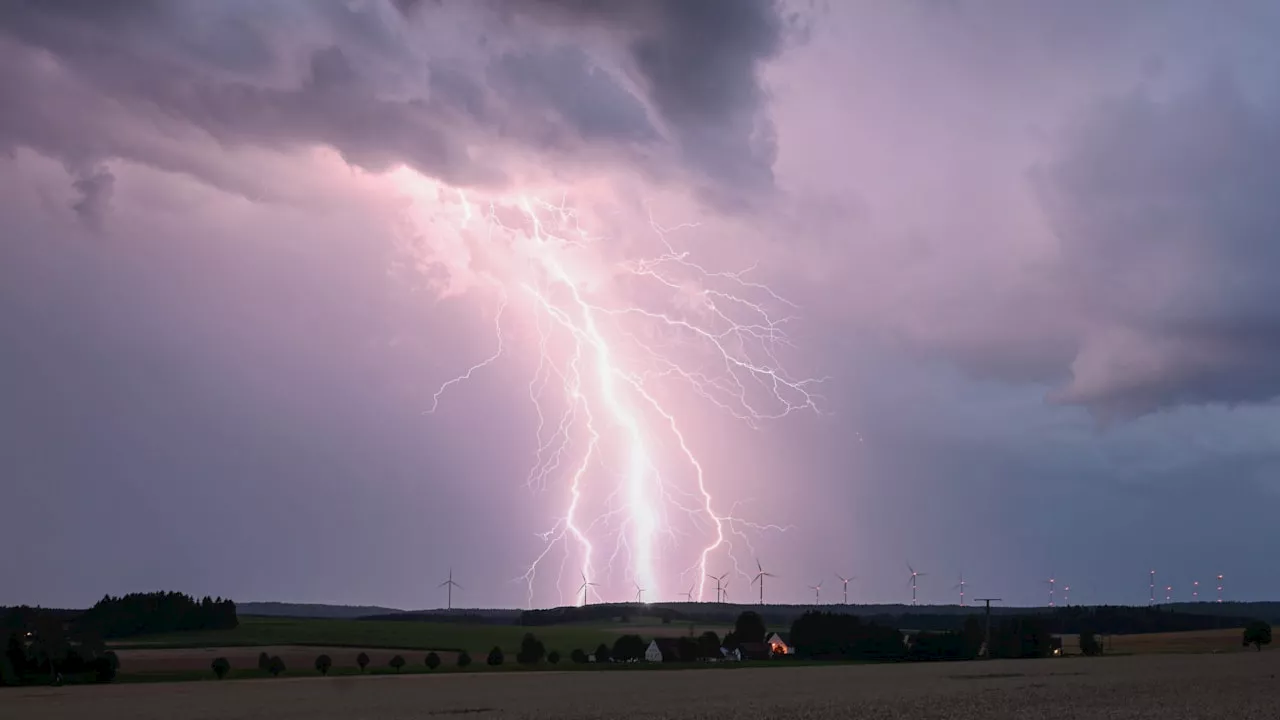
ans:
x=1029 y=248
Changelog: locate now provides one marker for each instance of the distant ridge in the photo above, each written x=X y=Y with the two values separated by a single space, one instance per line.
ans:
x=313 y=610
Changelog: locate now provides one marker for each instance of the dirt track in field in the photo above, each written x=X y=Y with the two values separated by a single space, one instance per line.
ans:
x=1240 y=686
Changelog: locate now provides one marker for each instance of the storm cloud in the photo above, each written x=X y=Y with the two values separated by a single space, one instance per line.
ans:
x=1032 y=245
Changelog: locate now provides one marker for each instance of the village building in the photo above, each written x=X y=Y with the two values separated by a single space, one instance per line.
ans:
x=778 y=645
x=664 y=650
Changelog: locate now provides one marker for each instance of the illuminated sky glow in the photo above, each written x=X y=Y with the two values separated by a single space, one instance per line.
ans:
x=616 y=344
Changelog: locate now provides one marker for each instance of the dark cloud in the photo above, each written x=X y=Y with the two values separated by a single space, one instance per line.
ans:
x=699 y=62
x=1170 y=236
x=95 y=187
x=370 y=92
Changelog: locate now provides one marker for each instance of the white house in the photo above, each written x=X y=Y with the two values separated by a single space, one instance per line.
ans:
x=653 y=653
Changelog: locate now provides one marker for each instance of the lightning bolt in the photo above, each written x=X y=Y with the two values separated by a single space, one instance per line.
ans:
x=612 y=367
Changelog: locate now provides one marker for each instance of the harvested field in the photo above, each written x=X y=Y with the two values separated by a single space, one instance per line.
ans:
x=1240 y=685
x=294 y=657
x=1194 y=641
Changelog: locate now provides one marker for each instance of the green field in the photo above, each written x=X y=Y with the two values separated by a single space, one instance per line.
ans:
x=408 y=635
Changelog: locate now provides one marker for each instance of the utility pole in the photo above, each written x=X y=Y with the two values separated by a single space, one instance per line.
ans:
x=987 y=631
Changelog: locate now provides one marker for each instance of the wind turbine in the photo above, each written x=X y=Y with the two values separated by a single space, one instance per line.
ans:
x=759 y=578
x=1066 y=595
x=1195 y=591
x=846 y=580
x=1152 y=601
x=725 y=591
x=451 y=585
x=688 y=596
x=1051 y=581
x=639 y=594
x=1219 y=587
x=1168 y=593
x=960 y=586
x=817 y=593
x=914 y=575
x=586 y=584
x=719 y=588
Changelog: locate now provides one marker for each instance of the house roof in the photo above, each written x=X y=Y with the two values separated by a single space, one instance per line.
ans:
x=667 y=646
x=754 y=648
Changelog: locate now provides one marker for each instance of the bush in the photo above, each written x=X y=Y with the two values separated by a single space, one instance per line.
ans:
x=1257 y=634
x=363 y=661
x=578 y=656
x=464 y=659
x=531 y=650
x=553 y=657
x=397 y=662
x=275 y=666
x=602 y=653
x=433 y=661
x=264 y=662
x=220 y=667
x=709 y=645
x=323 y=663
x=495 y=656
x=114 y=659
x=103 y=671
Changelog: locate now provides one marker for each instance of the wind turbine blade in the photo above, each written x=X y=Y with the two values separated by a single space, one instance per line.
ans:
x=759 y=566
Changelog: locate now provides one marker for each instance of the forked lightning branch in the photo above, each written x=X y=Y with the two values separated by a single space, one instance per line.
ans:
x=621 y=349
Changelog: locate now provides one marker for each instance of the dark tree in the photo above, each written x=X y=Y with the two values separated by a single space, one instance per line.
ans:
x=602 y=653
x=578 y=656
x=363 y=661
x=1257 y=634
x=433 y=661
x=531 y=650
x=495 y=656
x=220 y=667
x=323 y=663
x=276 y=666
x=687 y=648
x=629 y=648
x=397 y=662
x=749 y=628
x=1089 y=644
x=553 y=657
x=708 y=645
x=264 y=661
x=464 y=659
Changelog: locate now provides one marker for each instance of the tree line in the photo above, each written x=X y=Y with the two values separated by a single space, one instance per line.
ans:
x=43 y=644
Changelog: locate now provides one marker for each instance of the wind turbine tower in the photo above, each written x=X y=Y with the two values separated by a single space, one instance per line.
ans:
x=1195 y=591
x=450 y=584
x=1168 y=593
x=1219 y=587
x=1051 y=581
x=914 y=576
x=759 y=578
x=960 y=586
x=639 y=594
x=719 y=587
x=817 y=593
x=1152 y=600
x=845 y=581
x=1066 y=595
x=688 y=596
x=586 y=585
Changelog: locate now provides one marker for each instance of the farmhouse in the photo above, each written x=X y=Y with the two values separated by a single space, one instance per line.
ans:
x=663 y=650
x=778 y=645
